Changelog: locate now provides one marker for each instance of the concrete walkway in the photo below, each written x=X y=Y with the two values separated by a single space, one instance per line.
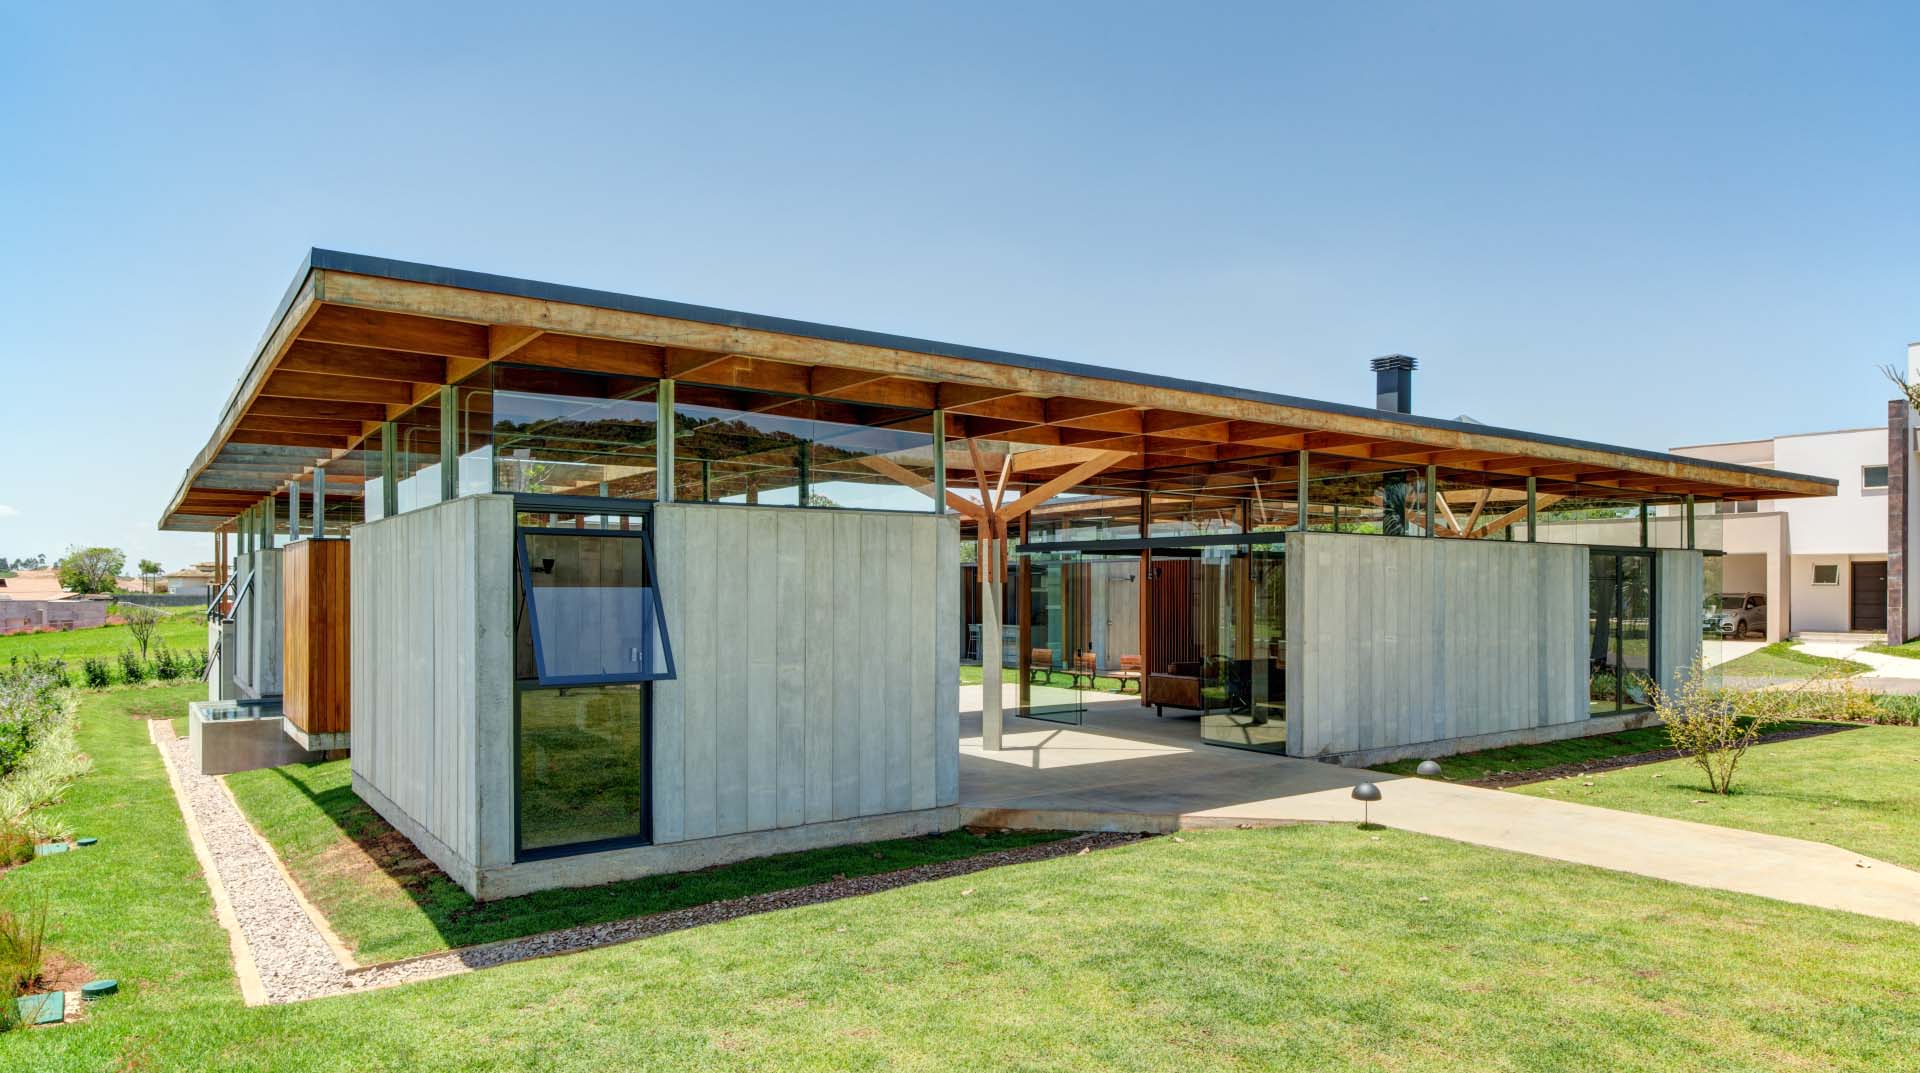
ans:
x=1126 y=770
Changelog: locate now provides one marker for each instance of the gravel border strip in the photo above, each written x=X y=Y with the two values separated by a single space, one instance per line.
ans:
x=591 y=936
x=282 y=954
x=292 y=958
x=1615 y=763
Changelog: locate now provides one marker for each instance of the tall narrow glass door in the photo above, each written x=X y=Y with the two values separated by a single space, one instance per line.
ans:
x=1240 y=602
x=1057 y=658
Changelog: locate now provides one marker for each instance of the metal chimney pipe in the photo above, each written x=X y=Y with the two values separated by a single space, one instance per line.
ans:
x=1393 y=383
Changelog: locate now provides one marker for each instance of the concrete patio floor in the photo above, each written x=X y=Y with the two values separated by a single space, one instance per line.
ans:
x=1126 y=770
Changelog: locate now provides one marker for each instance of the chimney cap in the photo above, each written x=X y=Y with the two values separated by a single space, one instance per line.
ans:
x=1393 y=361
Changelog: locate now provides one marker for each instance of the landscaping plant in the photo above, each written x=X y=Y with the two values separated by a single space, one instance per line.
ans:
x=23 y=951
x=36 y=718
x=133 y=669
x=1714 y=725
x=96 y=673
x=141 y=621
x=16 y=845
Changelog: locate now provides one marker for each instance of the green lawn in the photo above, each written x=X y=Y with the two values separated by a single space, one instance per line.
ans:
x=1858 y=789
x=182 y=629
x=973 y=675
x=1302 y=948
x=1479 y=765
x=1784 y=659
x=387 y=903
x=1911 y=649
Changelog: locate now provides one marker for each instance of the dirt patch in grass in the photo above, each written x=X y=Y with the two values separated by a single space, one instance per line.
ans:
x=377 y=860
x=58 y=972
x=1505 y=779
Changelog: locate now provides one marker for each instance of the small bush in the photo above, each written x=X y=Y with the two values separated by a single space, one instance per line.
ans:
x=1714 y=726
x=168 y=666
x=95 y=673
x=197 y=663
x=133 y=669
x=16 y=846
x=23 y=948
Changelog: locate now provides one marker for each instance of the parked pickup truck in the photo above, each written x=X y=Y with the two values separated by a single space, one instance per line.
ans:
x=1735 y=614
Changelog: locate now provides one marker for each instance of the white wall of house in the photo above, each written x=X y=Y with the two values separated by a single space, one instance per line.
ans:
x=1791 y=536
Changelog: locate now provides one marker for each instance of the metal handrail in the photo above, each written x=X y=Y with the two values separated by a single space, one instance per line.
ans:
x=213 y=607
x=239 y=598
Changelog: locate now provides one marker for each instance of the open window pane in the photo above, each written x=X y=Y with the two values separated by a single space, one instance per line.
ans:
x=591 y=612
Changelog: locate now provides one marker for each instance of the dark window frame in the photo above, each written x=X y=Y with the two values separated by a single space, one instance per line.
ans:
x=1649 y=556
x=645 y=536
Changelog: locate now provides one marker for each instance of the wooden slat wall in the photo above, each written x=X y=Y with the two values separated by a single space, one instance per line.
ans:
x=817 y=667
x=316 y=597
x=1395 y=641
x=432 y=683
x=1677 y=594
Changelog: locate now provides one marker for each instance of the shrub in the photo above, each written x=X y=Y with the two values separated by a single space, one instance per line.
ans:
x=1714 y=726
x=133 y=669
x=95 y=673
x=167 y=665
x=197 y=663
x=35 y=707
x=23 y=948
x=16 y=845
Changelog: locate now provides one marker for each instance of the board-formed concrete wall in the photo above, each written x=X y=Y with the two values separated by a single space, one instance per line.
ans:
x=1678 y=580
x=1393 y=641
x=257 y=625
x=432 y=674
x=818 y=678
x=1405 y=647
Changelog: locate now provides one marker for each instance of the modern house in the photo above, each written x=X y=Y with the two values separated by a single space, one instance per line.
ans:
x=1832 y=565
x=594 y=585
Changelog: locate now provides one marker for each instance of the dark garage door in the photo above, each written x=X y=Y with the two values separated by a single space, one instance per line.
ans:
x=1869 y=596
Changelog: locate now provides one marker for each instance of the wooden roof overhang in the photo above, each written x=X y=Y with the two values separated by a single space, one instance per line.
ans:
x=360 y=340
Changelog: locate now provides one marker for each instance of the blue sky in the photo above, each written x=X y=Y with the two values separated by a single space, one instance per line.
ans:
x=1646 y=224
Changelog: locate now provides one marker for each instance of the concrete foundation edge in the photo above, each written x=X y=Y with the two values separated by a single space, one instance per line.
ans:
x=1580 y=728
x=458 y=868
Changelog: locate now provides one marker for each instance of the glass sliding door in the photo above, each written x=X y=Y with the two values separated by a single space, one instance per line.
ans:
x=1057 y=661
x=1620 y=631
x=1244 y=675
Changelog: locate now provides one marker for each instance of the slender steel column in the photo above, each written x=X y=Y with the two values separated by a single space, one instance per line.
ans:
x=319 y=502
x=389 y=470
x=1690 y=530
x=293 y=510
x=1643 y=523
x=1300 y=492
x=1533 y=521
x=1433 y=481
x=449 y=444
x=939 y=461
x=664 y=431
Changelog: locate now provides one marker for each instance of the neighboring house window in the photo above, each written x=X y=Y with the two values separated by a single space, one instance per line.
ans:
x=1873 y=476
x=1746 y=506
x=1826 y=573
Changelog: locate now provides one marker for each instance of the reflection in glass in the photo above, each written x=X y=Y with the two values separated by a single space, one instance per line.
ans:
x=575 y=445
x=1244 y=682
x=1057 y=660
x=803 y=452
x=581 y=765
x=588 y=611
x=1620 y=670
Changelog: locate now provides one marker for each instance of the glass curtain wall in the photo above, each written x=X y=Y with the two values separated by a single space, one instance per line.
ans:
x=748 y=447
x=1240 y=595
x=1620 y=631
x=1055 y=636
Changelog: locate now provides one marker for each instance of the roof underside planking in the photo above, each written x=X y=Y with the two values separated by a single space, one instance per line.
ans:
x=359 y=340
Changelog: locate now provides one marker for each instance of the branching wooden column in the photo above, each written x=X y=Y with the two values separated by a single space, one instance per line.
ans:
x=994 y=517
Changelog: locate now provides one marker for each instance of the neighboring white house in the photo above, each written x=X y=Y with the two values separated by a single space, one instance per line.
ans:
x=1823 y=563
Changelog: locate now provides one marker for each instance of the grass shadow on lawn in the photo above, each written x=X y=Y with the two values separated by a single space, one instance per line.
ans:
x=387 y=901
